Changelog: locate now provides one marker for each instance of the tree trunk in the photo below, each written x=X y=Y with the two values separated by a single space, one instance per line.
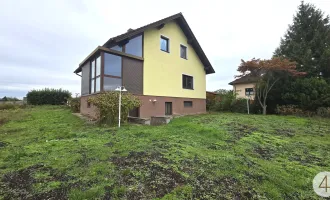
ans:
x=264 y=110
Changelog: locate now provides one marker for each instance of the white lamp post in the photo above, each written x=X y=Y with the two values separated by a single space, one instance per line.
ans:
x=247 y=104
x=120 y=89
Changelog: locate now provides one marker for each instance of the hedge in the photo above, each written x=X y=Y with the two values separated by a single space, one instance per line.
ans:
x=107 y=104
x=48 y=96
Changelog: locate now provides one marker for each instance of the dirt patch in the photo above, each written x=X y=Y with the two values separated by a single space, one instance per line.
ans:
x=19 y=184
x=264 y=153
x=2 y=121
x=155 y=178
x=220 y=188
x=238 y=130
x=308 y=159
x=109 y=144
x=206 y=120
x=3 y=144
x=85 y=158
x=285 y=131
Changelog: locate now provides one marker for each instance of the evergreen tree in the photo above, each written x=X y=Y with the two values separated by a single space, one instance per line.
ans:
x=307 y=41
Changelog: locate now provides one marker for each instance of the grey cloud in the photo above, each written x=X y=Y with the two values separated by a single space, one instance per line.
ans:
x=42 y=42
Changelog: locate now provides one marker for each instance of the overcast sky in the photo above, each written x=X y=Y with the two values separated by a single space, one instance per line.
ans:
x=42 y=42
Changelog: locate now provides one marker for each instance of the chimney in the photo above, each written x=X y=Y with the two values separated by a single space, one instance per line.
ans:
x=130 y=29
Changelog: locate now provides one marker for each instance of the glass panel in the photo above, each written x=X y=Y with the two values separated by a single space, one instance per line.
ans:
x=164 y=44
x=98 y=66
x=187 y=103
x=85 y=79
x=92 y=86
x=117 y=48
x=189 y=82
x=134 y=46
x=249 y=91
x=112 y=65
x=110 y=84
x=93 y=69
x=183 y=52
x=98 y=84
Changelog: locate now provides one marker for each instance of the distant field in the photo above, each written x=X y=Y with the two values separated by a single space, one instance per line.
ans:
x=47 y=153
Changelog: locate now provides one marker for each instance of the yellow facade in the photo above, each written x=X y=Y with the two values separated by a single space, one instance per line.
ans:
x=240 y=89
x=162 y=71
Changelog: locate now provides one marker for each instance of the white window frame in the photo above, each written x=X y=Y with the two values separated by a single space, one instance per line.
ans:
x=186 y=51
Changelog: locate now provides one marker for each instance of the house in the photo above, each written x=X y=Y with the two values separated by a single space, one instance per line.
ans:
x=161 y=63
x=244 y=86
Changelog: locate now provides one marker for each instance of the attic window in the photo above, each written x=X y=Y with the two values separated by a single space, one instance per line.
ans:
x=164 y=44
x=183 y=51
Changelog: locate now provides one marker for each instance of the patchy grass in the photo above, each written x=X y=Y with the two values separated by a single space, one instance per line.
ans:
x=48 y=153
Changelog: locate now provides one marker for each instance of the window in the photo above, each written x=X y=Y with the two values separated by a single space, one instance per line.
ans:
x=134 y=46
x=95 y=75
x=93 y=69
x=187 y=104
x=183 y=51
x=85 y=79
x=97 y=84
x=164 y=44
x=117 y=48
x=110 y=84
x=249 y=91
x=187 y=82
x=92 y=86
x=98 y=66
x=112 y=65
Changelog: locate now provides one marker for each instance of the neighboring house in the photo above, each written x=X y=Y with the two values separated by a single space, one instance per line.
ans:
x=161 y=63
x=244 y=86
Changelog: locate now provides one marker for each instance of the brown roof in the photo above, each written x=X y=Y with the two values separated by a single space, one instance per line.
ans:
x=212 y=92
x=183 y=25
x=244 y=79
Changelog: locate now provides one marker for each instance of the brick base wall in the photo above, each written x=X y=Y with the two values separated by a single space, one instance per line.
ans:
x=85 y=110
x=157 y=108
x=150 y=107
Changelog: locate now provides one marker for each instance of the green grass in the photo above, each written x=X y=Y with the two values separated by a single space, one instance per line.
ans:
x=48 y=152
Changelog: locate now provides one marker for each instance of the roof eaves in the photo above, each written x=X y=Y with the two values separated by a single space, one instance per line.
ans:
x=137 y=31
x=193 y=40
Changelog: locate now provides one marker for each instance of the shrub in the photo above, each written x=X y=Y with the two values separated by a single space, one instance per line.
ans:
x=74 y=104
x=239 y=106
x=308 y=93
x=255 y=107
x=289 y=110
x=7 y=106
x=107 y=104
x=48 y=96
x=227 y=98
x=210 y=101
x=323 y=112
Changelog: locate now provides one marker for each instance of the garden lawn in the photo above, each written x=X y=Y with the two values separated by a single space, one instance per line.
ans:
x=46 y=152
